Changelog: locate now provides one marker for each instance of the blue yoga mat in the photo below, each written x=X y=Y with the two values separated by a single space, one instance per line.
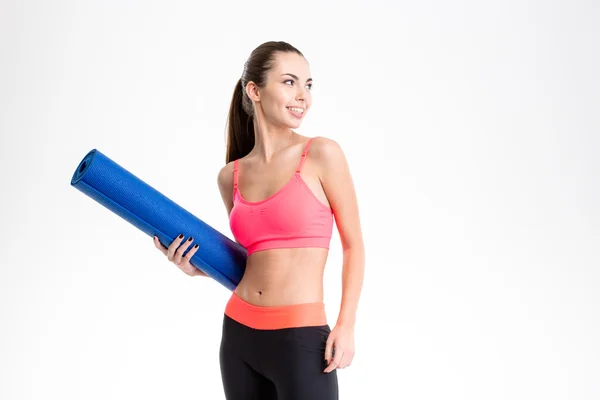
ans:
x=121 y=192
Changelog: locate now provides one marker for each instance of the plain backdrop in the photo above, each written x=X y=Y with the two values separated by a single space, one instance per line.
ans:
x=472 y=133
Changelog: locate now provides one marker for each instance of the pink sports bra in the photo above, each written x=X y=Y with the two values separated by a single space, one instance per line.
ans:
x=291 y=217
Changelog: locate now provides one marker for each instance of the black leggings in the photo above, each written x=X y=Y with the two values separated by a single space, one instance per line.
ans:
x=279 y=364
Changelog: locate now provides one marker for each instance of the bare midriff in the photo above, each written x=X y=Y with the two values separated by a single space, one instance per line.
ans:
x=281 y=277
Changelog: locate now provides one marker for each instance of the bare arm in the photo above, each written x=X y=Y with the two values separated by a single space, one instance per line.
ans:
x=225 y=183
x=339 y=188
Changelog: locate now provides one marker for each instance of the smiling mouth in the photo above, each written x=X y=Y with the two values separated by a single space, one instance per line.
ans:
x=296 y=111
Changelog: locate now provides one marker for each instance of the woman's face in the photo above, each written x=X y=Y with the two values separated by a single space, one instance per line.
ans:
x=286 y=97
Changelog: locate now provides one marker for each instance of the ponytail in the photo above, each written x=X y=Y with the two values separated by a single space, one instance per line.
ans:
x=240 y=126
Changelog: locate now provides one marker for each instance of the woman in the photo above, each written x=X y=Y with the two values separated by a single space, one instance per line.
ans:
x=281 y=191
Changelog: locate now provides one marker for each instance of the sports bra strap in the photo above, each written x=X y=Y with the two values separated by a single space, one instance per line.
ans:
x=303 y=156
x=235 y=176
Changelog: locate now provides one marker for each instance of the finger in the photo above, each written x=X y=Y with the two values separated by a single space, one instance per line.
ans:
x=179 y=253
x=346 y=360
x=328 y=350
x=159 y=246
x=337 y=358
x=173 y=246
x=191 y=253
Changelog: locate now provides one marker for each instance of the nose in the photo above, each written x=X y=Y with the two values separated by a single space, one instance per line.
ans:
x=301 y=95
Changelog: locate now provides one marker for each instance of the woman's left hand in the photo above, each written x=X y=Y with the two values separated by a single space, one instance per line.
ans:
x=342 y=339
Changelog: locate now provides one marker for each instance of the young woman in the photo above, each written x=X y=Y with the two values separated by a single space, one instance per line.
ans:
x=282 y=191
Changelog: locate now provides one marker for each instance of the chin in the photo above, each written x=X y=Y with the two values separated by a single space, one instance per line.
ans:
x=294 y=123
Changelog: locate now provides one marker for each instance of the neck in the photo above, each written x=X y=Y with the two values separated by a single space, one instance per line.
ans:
x=270 y=139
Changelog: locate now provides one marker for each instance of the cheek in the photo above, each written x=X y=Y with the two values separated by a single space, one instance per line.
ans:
x=275 y=109
x=270 y=104
x=279 y=100
x=308 y=103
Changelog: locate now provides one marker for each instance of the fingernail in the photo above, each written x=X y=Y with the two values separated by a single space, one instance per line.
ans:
x=190 y=239
x=180 y=236
x=196 y=246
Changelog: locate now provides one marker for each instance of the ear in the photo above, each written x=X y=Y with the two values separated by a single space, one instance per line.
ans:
x=252 y=91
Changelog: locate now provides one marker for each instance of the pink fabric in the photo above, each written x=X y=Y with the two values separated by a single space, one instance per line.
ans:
x=275 y=317
x=292 y=217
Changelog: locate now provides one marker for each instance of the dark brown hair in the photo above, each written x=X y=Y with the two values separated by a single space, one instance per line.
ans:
x=240 y=127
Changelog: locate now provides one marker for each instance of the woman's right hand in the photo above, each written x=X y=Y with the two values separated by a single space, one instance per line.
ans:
x=175 y=252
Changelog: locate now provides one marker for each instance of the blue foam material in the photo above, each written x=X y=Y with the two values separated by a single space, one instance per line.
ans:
x=150 y=211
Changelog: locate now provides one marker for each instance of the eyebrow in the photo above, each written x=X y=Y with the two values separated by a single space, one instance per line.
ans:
x=296 y=78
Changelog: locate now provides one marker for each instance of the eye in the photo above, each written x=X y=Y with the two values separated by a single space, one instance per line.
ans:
x=291 y=80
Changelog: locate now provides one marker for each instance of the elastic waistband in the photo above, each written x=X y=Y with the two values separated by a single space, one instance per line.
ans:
x=275 y=317
x=312 y=241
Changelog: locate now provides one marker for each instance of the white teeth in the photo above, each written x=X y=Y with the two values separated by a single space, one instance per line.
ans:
x=298 y=110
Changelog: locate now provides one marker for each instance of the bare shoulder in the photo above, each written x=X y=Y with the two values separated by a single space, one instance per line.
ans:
x=225 y=183
x=337 y=183
x=326 y=152
x=225 y=176
x=323 y=143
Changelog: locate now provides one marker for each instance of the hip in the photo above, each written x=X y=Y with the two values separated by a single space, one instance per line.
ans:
x=275 y=317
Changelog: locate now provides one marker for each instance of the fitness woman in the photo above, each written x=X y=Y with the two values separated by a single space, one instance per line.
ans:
x=282 y=191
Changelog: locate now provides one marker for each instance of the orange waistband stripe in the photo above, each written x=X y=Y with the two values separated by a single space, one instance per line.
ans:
x=275 y=317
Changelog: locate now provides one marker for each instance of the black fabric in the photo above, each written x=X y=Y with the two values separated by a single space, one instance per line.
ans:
x=280 y=364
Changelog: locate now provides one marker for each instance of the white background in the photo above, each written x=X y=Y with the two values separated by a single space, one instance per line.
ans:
x=471 y=129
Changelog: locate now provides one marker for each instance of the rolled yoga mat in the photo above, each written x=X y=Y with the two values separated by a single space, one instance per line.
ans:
x=121 y=192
